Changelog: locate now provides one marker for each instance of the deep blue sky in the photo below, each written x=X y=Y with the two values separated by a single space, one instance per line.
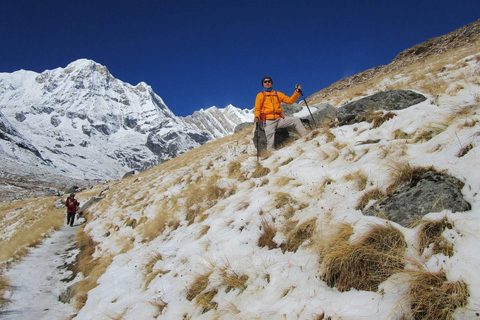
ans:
x=196 y=54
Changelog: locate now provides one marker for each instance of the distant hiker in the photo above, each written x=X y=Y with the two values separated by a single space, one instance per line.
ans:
x=268 y=111
x=72 y=206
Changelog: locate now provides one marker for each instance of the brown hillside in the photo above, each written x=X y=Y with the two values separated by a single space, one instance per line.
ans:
x=463 y=41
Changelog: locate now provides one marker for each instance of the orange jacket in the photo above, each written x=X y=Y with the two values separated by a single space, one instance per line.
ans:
x=271 y=106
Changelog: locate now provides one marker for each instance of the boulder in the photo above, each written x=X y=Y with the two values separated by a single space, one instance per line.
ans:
x=320 y=113
x=428 y=191
x=388 y=100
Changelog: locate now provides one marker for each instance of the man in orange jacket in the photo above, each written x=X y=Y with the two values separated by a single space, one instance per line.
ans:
x=268 y=110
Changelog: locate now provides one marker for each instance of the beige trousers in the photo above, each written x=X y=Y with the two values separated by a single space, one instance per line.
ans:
x=272 y=125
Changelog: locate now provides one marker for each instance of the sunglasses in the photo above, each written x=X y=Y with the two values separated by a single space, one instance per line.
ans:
x=267 y=81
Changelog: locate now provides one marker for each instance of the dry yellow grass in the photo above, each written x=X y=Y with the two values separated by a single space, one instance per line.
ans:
x=431 y=234
x=377 y=118
x=375 y=194
x=399 y=134
x=359 y=177
x=260 y=171
x=157 y=225
x=298 y=235
x=199 y=284
x=268 y=233
x=235 y=171
x=30 y=220
x=432 y=297
x=204 y=196
x=234 y=281
x=92 y=269
x=205 y=300
x=365 y=264
x=428 y=132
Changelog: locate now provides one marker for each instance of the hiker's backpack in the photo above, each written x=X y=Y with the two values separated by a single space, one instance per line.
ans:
x=71 y=204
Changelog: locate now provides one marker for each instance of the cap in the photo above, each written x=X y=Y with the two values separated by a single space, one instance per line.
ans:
x=267 y=78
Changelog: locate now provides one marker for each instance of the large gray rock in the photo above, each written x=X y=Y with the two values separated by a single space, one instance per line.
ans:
x=320 y=113
x=428 y=191
x=389 y=100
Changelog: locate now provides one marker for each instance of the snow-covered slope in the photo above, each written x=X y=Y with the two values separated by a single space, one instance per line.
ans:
x=82 y=122
x=186 y=240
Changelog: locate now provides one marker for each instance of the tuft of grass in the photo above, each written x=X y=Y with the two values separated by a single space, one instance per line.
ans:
x=432 y=297
x=157 y=224
x=287 y=204
x=286 y=162
x=205 y=301
x=431 y=233
x=235 y=171
x=399 y=134
x=260 y=171
x=359 y=177
x=429 y=132
x=365 y=264
x=402 y=172
x=268 y=233
x=234 y=281
x=464 y=150
x=149 y=273
x=283 y=181
x=200 y=283
x=377 y=118
x=298 y=235
x=375 y=194
x=204 y=196
x=160 y=305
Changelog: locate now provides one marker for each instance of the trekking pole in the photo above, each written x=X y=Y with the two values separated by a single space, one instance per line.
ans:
x=308 y=108
x=258 y=146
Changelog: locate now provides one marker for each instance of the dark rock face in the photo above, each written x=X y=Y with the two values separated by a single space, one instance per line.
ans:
x=428 y=191
x=55 y=121
x=389 y=100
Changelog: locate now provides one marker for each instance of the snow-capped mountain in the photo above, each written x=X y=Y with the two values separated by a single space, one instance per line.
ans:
x=83 y=122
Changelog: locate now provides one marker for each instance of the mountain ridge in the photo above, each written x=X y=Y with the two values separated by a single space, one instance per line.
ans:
x=82 y=122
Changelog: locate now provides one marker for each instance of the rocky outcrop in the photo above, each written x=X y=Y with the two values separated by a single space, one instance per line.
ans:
x=388 y=100
x=427 y=191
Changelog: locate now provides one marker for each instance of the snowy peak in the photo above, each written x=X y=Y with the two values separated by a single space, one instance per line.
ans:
x=219 y=122
x=84 y=122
